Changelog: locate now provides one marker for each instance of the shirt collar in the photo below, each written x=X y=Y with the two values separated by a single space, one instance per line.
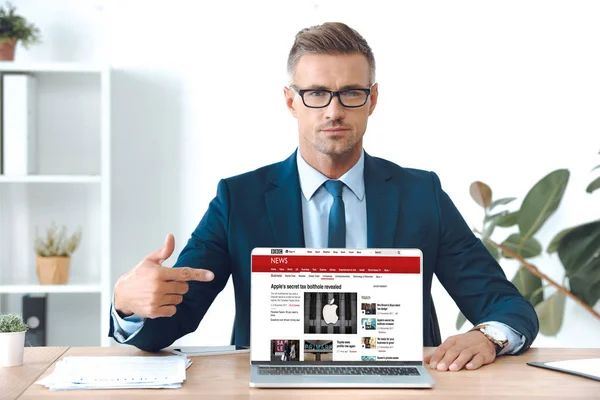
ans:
x=311 y=179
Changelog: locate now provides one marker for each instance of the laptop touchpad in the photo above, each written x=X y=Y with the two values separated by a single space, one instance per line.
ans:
x=346 y=379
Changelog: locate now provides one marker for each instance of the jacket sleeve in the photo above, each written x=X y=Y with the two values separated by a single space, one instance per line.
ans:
x=206 y=249
x=474 y=279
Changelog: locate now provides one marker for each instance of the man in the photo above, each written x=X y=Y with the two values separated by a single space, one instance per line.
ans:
x=329 y=193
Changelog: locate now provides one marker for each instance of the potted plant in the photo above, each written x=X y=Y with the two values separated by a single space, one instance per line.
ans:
x=13 y=29
x=577 y=248
x=12 y=340
x=54 y=255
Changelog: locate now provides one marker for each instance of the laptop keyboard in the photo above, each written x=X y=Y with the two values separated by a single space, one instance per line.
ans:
x=316 y=370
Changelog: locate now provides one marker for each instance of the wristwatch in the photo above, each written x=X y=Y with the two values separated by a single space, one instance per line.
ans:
x=494 y=335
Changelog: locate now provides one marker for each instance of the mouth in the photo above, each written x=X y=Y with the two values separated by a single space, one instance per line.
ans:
x=333 y=131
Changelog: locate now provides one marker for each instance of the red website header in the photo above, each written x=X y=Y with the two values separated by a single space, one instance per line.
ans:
x=337 y=264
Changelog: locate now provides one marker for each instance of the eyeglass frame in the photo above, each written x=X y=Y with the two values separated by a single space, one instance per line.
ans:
x=332 y=94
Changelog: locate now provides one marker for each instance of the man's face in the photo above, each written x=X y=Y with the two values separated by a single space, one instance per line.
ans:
x=334 y=130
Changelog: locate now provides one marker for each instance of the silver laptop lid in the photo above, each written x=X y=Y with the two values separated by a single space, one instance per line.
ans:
x=336 y=306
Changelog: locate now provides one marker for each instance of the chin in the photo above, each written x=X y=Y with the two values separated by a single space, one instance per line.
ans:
x=336 y=149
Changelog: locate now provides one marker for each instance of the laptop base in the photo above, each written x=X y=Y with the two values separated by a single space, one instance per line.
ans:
x=423 y=381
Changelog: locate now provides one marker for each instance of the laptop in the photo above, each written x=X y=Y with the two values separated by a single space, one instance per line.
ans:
x=346 y=318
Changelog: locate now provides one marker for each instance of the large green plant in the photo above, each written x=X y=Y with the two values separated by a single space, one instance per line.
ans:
x=578 y=248
x=13 y=26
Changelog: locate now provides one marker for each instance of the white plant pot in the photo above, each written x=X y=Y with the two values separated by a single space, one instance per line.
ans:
x=11 y=349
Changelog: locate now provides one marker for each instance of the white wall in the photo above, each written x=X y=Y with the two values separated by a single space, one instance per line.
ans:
x=503 y=92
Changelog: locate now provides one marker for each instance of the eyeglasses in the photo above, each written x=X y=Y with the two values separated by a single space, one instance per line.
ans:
x=321 y=98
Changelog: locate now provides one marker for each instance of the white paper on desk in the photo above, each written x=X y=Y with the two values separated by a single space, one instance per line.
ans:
x=125 y=369
x=74 y=386
x=588 y=366
x=117 y=372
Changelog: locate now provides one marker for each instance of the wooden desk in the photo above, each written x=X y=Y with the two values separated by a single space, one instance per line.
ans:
x=227 y=377
x=36 y=360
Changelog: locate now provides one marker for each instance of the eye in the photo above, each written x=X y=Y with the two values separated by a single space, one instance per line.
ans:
x=317 y=93
x=353 y=93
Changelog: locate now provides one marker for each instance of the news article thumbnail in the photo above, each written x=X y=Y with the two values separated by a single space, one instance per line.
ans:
x=369 y=324
x=369 y=342
x=285 y=350
x=330 y=313
x=318 y=350
x=368 y=308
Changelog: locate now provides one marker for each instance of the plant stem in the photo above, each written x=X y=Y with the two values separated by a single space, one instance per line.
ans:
x=533 y=269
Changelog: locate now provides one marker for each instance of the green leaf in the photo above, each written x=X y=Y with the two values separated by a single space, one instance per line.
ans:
x=550 y=313
x=596 y=167
x=495 y=216
x=504 y=219
x=489 y=229
x=481 y=193
x=526 y=249
x=579 y=252
x=585 y=284
x=529 y=286
x=490 y=223
x=501 y=202
x=508 y=220
x=553 y=246
x=460 y=320
x=541 y=202
x=493 y=251
x=594 y=185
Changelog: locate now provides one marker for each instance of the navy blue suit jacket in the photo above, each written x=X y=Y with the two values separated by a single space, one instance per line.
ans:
x=406 y=208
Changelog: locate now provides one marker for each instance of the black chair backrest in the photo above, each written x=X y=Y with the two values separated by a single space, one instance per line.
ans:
x=434 y=326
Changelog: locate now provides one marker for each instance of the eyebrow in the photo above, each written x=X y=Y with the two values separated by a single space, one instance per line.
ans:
x=321 y=87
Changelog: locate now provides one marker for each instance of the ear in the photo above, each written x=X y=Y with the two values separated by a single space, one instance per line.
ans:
x=290 y=95
x=374 y=96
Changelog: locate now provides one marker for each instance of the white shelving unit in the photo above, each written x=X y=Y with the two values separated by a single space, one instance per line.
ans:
x=51 y=179
x=71 y=188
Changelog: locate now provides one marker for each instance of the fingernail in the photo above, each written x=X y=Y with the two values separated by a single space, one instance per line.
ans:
x=469 y=365
x=441 y=367
x=433 y=364
x=209 y=276
x=453 y=367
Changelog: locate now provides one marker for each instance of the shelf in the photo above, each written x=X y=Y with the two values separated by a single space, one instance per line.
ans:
x=50 y=178
x=37 y=288
x=11 y=66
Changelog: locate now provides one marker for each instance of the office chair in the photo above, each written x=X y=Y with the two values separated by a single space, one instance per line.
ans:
x=434 y=326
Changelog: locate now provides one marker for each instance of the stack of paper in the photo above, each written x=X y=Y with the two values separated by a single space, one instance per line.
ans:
x=134 y=372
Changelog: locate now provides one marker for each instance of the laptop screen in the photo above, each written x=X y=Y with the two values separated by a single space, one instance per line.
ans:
x=337 y=306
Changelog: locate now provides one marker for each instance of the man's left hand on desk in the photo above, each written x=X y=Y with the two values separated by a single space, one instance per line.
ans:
x=469 y=350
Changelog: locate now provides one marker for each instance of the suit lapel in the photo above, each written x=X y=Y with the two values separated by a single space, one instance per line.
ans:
x=383 y=204
x=284 y=204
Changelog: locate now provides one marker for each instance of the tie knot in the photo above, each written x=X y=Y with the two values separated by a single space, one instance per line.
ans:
x=334 y=188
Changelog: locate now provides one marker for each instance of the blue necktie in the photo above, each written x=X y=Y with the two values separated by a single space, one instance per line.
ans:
x=337 y=215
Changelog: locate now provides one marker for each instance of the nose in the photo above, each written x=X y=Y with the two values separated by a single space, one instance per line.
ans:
x=335 y=110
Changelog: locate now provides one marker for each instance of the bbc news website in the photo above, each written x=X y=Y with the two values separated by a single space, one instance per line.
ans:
x=319 y=305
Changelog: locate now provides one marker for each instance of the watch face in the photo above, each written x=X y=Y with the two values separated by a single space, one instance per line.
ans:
x=495 y=333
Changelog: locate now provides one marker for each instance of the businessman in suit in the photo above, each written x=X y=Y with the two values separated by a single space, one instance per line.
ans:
x=328 y=193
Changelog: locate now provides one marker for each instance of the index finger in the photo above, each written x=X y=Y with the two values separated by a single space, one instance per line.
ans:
x=430 y=353
x=186 y=274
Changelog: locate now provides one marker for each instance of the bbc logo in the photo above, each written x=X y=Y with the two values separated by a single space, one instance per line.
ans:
x=276 y=251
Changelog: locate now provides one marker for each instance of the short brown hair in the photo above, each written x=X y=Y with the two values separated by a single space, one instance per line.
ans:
x=329 y=38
